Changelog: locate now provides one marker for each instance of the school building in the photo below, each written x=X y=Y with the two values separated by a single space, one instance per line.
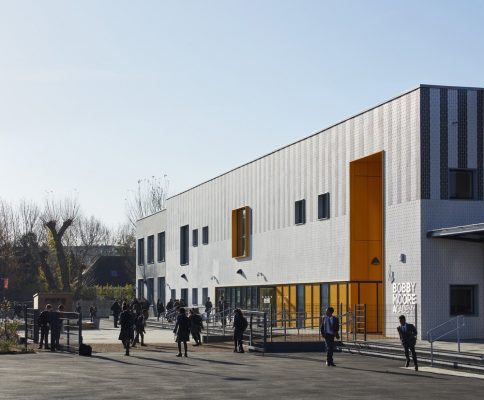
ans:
x=384 y=209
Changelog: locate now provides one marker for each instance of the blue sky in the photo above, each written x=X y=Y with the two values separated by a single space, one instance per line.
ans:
x=95 y=95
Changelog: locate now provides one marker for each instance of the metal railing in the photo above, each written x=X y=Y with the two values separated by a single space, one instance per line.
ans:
x=70 y=330
x=452 y=325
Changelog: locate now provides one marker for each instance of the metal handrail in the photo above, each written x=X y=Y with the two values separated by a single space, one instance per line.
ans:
x=459 y=320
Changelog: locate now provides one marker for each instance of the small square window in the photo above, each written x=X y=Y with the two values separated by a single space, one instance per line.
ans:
x=205 y=235
x=461 y=184
x=463 y=300
x=300 y=212
x=323 y=206
x=195 y=238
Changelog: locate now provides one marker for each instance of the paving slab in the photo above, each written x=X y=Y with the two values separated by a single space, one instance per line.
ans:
x=222 y=375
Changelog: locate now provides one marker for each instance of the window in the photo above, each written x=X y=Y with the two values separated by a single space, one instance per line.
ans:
x=194 y=296
x=173 y=294
x=463 y=300
x=141 y=288
x=150 y=285
x=141 y=251
x=184 y=296
x=151 y=249
x=240 y=232
x=161 y=247
x=323 y=206
x=205 y=235
x=195 y=238
x=300 y=212
x=161 y=289
x=184 y=245
x=114 y=273
x=461 y=184
x=204 y=295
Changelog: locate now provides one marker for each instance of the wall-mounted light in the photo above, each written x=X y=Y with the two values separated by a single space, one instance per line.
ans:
x=240 y=272
x=375 y=261
x=403 y=258
x=183 y=276
x=262 y=274
x=214 y=278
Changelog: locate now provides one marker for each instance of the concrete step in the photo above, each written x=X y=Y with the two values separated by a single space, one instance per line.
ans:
x=472 y=362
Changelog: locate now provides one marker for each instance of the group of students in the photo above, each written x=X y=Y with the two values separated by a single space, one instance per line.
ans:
x=193 y=325
x=132 y=319
x=50 y=320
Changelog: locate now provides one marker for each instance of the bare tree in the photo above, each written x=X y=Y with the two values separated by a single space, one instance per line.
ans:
x=63 y=213
x=150 y=197
x=33 y=238
x=125 y=240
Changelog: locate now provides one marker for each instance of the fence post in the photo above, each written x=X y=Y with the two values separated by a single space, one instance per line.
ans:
x=250 y=332
x=79 y=322
x=26 y=328
x=416 y=317
x=284 y=319
x=265 y=332
x=364 y=316
x=458 y=335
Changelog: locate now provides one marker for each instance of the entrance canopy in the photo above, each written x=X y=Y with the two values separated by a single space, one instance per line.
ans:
x=468 y=233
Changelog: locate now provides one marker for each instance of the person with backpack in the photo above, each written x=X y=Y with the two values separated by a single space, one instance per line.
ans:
x=43 y=321
x=160 y=309
x=196 y=326
x=240 y=325
x=126 y=320
x=182 y=331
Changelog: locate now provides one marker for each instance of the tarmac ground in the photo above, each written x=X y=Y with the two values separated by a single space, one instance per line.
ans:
x=155 y=372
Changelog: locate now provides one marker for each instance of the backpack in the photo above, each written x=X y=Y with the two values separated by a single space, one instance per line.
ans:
x=85 y=350
x=245 y=324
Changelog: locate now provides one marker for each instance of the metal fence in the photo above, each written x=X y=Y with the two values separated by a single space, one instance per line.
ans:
x=68 y=336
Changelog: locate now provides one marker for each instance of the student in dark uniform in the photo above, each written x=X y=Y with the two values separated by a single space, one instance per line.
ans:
x=139 y=325
x=126 y=320
x=240 y=325
x=182 y=331
x=196 y=326
x=408 y=337
x=116 y=309
x=43 y=321
x=160 y=309
x=55 y=323
x=329 y=331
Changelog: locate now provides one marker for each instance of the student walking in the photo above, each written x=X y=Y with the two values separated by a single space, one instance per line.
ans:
x=408 y=337
x=208 y=308
x=126 y=321
x=196 y=326
x=160 y=308
x=116 y=310
x=43 y=321
x=139 y=323
x=240 y=325
x=182 y=331
x=329 y=331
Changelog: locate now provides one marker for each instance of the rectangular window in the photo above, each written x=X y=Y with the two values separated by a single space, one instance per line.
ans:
x=461 y=184
x=205 y=235
x=141 y=288
x=463 y=300
x=241 y=232
x=184 y=245
x=161 y=289
x=300 y=212
x=184 y=295
x=195 y=238
x=151 y=249
x=204 y=295
x=161 y=247
x=323 y=206
x=141 y=251
x=194 y=296
x=173 y=294
x=150 y=285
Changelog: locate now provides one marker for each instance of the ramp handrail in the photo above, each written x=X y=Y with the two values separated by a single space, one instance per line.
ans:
x=459 y=324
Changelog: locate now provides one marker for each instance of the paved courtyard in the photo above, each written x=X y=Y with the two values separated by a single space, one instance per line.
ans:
x=221 y=375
